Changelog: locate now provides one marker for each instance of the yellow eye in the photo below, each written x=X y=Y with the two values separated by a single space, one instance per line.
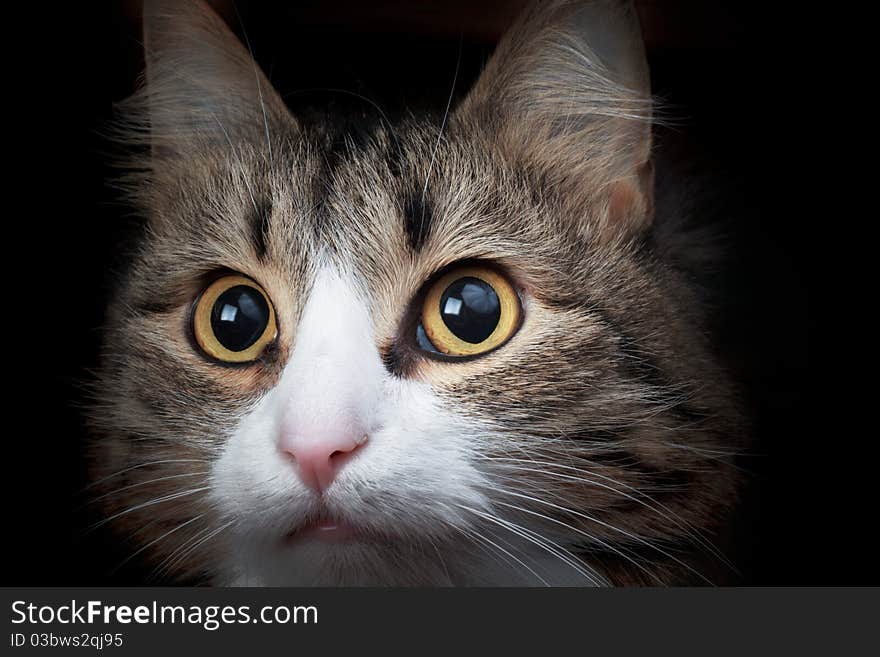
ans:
x=469 y=311
x=234 y=320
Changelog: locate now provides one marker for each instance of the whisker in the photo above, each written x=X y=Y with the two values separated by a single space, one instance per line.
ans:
x=440 y=136
x=618 y=551
x=544 y=543
x=244 y=178
x=116 y=491
x=171 y=561
x=366 y=99
x=665 y=513
x=602 y=523
x=442 y=561
x=148 y=503
x=140 y=465
x=482 y=547
x=257 y=78
x=156 y=540
x=476 y=534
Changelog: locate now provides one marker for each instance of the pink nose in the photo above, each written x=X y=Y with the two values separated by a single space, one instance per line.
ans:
x=319 y=461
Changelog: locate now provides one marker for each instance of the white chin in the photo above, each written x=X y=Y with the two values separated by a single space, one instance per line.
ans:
x=361 y=563
x=315 y=562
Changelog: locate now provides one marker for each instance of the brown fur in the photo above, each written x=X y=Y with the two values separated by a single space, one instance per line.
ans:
x=609 y=397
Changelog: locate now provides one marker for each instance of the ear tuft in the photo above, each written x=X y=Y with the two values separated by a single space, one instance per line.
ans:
x=568 y=90
x=201 y=84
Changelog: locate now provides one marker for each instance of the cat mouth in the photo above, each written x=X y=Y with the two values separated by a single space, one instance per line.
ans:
x=325 y=529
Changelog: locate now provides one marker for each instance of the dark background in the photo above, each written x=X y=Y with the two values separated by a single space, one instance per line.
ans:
x=723 y=68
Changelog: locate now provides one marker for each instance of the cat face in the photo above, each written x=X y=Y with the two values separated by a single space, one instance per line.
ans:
x=442 y=353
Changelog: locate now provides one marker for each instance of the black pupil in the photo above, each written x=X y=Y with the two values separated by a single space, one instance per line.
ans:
x=470 y=309
x=239 y=317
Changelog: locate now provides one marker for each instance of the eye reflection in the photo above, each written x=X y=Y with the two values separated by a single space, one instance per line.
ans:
x=234 y=320
x=239 y=317
x=470 y=308
x=228 y=313
x=452 y=307
x=423 y=341
x=469 y=311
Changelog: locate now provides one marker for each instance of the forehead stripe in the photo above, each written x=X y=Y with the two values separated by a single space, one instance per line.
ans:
x=259 y=222
x=417 y=218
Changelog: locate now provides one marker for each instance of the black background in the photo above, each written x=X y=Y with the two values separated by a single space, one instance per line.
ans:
x=725 y=70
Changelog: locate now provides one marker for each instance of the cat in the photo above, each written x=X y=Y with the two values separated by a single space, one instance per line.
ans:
x=455 y=352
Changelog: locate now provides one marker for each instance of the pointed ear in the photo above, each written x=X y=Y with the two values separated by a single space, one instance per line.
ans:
x=202 y=85
x=567 y=91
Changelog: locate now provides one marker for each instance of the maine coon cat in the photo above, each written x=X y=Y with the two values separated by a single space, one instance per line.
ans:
x=459 y=351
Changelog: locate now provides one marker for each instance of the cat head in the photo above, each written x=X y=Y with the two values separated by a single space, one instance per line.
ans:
x=447 y=353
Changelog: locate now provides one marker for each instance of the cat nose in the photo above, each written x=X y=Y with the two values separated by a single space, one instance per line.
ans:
x=319 y=461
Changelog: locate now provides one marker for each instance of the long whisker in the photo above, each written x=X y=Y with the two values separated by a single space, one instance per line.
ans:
x=491 y=553
x=544 y=543
x=245 y=179
x=602 y=523
x=440 y=136
x=116 y=491
x=148 y=503
x=172 y=561
x=156 y=540
x=655 y=505
x=257 y=78
x=664 y=512
x=165 y=564
x=140 y=465
x=620 y=551
x=442 y=561
x=366 y=99
x=474 y=533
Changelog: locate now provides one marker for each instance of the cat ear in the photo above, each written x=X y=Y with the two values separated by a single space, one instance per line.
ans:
x=202 y=85
x=567 y=91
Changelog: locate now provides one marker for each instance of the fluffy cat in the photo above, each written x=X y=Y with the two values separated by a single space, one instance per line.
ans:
x=457 y=353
